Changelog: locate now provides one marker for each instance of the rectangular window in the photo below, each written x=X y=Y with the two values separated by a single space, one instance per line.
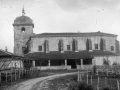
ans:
x=68 y=47
x=96 y=46
x=39 y=48
x=112 y=48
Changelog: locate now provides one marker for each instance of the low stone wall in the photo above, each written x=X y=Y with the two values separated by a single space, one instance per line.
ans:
x=85 y=67
x=53 y=67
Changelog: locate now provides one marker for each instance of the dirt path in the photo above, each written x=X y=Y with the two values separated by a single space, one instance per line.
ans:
x=33 y=83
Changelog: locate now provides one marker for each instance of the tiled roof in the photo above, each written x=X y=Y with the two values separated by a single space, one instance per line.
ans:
x=5 y=53
x=68 y=55
x=58 y=55
x=72 y=34
x=23 y=20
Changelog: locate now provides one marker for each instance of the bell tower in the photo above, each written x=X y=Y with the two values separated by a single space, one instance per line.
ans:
x=23 y=30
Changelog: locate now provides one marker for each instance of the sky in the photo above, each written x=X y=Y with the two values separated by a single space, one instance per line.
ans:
x=60 y=16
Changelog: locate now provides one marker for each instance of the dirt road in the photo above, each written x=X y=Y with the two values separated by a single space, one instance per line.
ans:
x=33 y=83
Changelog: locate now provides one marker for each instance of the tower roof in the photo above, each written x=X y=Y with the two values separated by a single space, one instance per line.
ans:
x=23 y=20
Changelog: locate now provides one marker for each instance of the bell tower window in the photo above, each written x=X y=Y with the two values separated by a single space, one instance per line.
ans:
x=22 y=29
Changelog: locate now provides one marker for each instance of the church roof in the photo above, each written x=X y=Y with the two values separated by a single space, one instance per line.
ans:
x=73 y=34
x=23 y=20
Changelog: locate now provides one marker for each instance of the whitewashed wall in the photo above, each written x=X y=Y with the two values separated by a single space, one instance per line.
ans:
x=112 y=59
x=11 y=63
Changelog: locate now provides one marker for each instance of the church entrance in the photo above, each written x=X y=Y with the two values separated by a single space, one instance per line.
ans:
x=72 y=62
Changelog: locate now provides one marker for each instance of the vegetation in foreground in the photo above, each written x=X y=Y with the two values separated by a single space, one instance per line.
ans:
x=70 y=83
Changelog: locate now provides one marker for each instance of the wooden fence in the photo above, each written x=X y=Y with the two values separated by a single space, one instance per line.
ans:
x=15 y=74
x=99 y=82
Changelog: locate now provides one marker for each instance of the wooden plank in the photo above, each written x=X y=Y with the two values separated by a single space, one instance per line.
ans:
x=118 y=88
x=0 y=77
x=105 y=82
x=98 y=83
x=15 y=75
x=11 y=74
x=87 y=78
x=91 y=79
x=6 y=76
x=19 y=73
x=78 y=75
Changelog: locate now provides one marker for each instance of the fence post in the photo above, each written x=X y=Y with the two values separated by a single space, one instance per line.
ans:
x=105 y=82
x=19 y=72
x=32 y=70
x=78 y=75
x=0 y=77
x=15 y=74
x=97 y=71
x=107 y=72
x=98 y=84
x=87 y=78
x=6 y=76
x=24 y=71
x=118 y=85
x=91 y=79
x=11 y=74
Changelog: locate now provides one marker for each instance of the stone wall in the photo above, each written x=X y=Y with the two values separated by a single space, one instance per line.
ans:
x=53 y=42
x=20 y=38
x=112 y=59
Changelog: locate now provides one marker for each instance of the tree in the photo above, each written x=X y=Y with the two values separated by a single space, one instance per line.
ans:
x=106 y=61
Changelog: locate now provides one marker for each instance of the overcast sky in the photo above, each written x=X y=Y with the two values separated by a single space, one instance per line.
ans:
x=60 y=16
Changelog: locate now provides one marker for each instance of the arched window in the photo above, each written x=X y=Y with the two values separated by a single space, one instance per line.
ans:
x=88 y=44
x=22 y=29
x=75 y=45
x=102 y=44
x=46 y=46
x=60 y=45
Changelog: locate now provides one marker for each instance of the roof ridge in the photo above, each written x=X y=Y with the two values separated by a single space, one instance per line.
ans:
x=6 y=52
x=10 y=53
x=73 y=34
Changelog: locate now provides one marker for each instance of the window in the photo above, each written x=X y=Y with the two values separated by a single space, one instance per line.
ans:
x=39 y=48
x=112 y=48
x=96 y=46
x=22 y=29
x=75 y=45
x=68 y=47
x=46 y=46
x=60 y=45
x=88 y=44
x=102 y=44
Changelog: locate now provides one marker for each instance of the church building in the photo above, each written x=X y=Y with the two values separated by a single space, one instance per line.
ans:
x=63 y=50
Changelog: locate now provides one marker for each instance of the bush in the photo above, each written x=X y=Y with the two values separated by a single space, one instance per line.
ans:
x=106 y=61
x=80 y=86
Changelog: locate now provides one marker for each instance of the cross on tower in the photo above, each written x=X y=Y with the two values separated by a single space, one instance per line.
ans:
x=23 y=11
